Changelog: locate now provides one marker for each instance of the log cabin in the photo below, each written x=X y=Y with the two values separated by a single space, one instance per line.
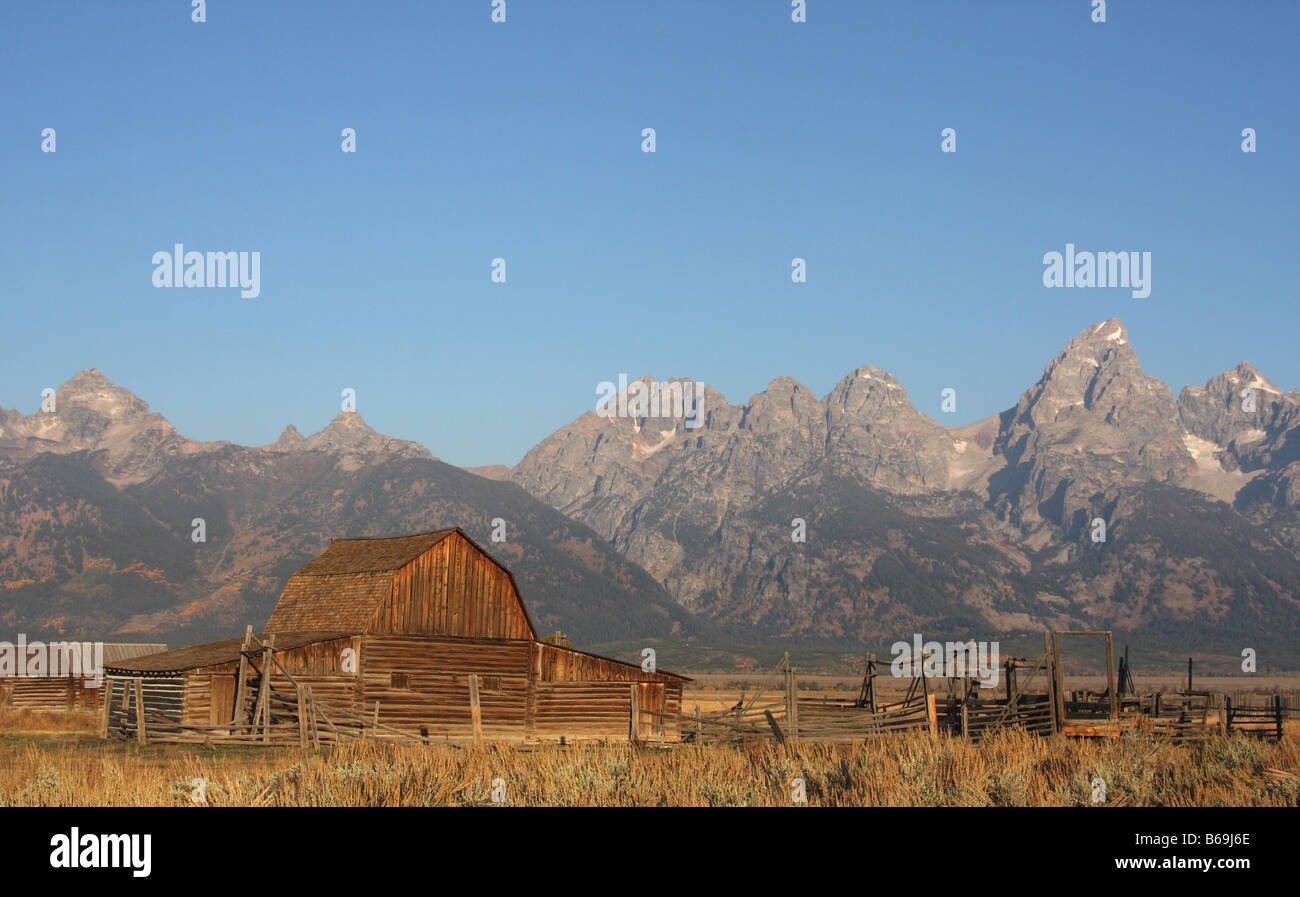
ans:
x=423 y=636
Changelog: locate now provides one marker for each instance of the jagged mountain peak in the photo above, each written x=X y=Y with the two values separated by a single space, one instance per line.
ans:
x=91 y=391
x=290 y=441
x=348 y=432
x=1246 y=375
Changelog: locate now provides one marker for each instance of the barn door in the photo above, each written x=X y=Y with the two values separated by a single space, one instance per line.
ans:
x=222 y=707
x=650 y=701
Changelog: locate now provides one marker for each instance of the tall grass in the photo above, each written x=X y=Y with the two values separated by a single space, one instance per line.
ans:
x=1011 y=769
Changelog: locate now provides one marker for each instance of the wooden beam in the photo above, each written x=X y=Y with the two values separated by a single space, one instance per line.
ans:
x=107 y=698
x=791 y=701
x=476 y=712
x=241 y=694
x=634 y=715
x=1051 y=679
x=776 y=730
x=1110 y=676
x=302 y=717
x=1058 y=678
x=140 y=734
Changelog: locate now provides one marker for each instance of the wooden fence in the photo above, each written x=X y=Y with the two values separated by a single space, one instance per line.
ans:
x=1259 y=722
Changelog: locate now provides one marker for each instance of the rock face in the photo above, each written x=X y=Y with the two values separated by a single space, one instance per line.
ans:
x=92 y=414
x=987 y=526
x=98 y=500
x=1093 y=424
x=1252 y=429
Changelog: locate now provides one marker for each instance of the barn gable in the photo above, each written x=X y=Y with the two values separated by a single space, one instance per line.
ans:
x=432 y=584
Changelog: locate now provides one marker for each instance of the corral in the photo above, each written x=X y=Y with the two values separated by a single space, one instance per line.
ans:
x=1033 y=699
x=422 y=637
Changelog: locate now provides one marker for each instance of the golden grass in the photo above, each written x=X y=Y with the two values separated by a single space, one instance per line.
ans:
x=1012 y=769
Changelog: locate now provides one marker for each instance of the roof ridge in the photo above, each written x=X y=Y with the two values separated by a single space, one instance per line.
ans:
x=431 y=532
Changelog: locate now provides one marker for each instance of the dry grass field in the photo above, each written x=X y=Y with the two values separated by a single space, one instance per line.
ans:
x=57 y=761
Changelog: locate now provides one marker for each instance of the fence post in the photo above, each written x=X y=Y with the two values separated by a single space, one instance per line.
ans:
x=791 y=701
x=932 y=713
x=1277 y=710
x=267 y=657
x=107 y=696
x=140 y=734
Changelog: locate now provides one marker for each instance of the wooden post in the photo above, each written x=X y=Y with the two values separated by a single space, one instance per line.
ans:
x=1051 y=680
x=107 y=697
x=264 y=698
x=476 y=712
x=793 y=698
x=634 y=715
x=1189 y=674
x=1058 y=681
x=1110 y=677
x=140 y=735
x=1227 y=715
x=241 y=693
x=1277 y=714
x=302 y=717
x=932 y=713
x=315 y=723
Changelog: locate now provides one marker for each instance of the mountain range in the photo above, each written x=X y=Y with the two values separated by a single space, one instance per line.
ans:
x=1098 y=500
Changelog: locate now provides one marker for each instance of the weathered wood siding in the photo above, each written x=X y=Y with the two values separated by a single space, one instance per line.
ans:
x=580 y=695
x=556 y=664
x=423 y=684
x=49 y=693
x=453 y=590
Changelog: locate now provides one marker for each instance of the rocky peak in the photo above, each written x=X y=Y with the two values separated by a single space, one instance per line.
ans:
x=349 y=433
x=1093 y=421
x=290 y=441
x=1245 y=416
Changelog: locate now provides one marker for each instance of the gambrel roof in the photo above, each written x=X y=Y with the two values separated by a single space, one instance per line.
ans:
x=348 y=586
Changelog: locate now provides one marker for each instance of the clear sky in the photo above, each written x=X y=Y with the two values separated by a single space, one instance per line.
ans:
x=523 y=141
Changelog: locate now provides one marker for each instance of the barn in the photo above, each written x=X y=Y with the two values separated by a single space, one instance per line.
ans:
x=422 y=637
x=58 y=689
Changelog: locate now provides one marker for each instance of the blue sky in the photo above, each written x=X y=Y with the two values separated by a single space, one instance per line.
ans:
x=522 y=140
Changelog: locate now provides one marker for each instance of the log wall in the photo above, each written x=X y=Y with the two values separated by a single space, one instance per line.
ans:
x=422 y=685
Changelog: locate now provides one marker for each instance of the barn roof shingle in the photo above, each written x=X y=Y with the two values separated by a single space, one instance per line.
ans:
x=376 y=555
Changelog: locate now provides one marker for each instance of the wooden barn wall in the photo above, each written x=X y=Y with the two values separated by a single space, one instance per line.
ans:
x=453 y=590
x=555 y=664
x=423 y=684
x=582 y=710
x=49 y=693
x=583 y=696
